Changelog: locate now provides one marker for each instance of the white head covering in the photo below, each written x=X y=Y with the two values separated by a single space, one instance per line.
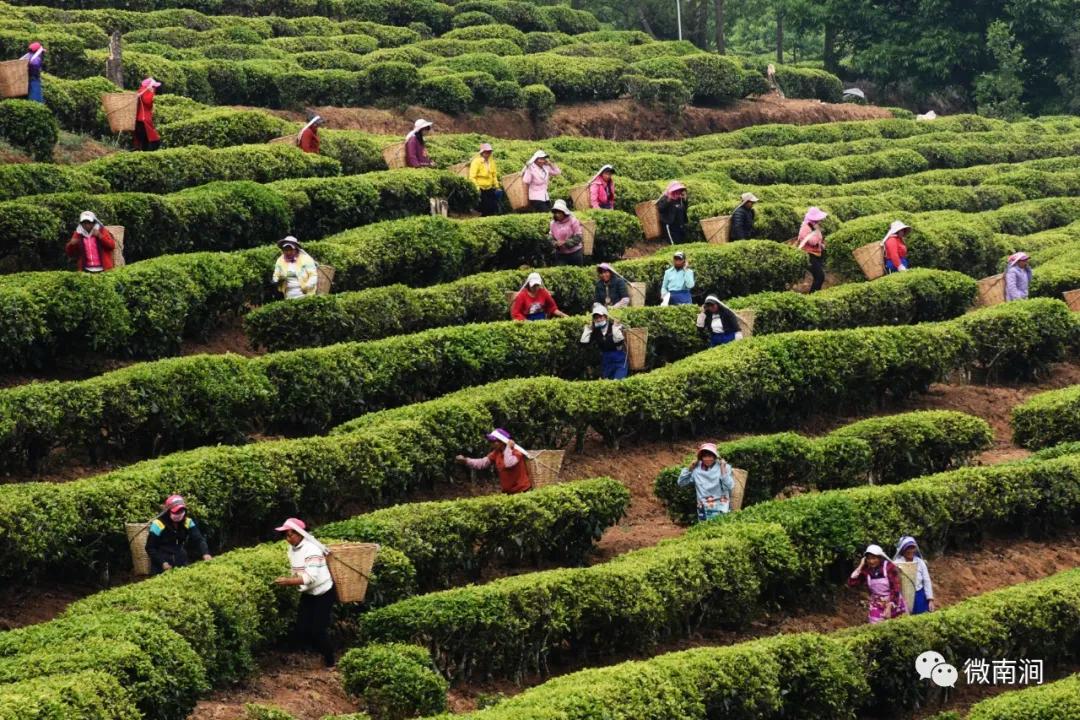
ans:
x=896 y=227
x=712 y=299
x=749 y=197
x=599 y=309
x=535 y=156
x=86 y=215
x=533 y=279
x=875 y=550
x=601 y=171
x=561 y=206
x=419 y=125
x=313 y=121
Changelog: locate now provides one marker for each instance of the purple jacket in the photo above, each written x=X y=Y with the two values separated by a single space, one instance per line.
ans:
x=415 y=153
x=1017 y=280
x=35 y=62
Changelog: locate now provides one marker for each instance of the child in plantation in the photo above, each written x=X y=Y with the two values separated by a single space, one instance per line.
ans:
x=608 y=335
x=812 y=242
x=311 y=574
x=295 y=272
x=508 y=460
x=534 y=302
x=672 y=206
x=713 y=482
x=169 y=534
x=882 y=580
x=907 y=550
x=717 y=322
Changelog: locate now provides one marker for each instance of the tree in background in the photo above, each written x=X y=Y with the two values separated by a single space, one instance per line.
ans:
x=999 y=93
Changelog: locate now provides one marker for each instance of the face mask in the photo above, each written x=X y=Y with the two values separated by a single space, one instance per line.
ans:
x=600 y=324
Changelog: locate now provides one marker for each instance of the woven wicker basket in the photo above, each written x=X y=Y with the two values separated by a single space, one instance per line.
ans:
x=136 y=537
x=14 y=78
x=649 y=217
x=544 y=466
x=461 y=169
x=120 y=110
x=637 y=340
x=991 y=291
x=350 y=565
x=908 y=573
x=739 y=491
x=746 y=322
x=285 y=140
x=588 y=236
x=871 y=260
x=579 y=198
x=715 y=229
x=637 y=293
x=517 y=194
x=394 y=156
x=511 y=295
x=117 y=232
x=325 y=279
x=1072 y=299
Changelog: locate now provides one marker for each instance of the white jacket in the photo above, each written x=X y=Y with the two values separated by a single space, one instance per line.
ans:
x=309 y=564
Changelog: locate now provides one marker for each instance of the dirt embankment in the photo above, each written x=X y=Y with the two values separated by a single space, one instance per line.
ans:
x=611 y=119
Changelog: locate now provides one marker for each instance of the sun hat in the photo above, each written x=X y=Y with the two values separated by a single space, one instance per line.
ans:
x=35 y=46
x=150 y=82
x=486 y=147
x=680 y=255
x=292 y=524
x=421 y=124
x=875 y=550
x=289 y=240
x=815 y=214
x=88 y=215
x=674 y=186
x=599 y=309
x=749 y=197
x=605 y=266
x=707 y=448
x=897 y=226
x=534 y=279
x=560 y=206
x=1017 y=257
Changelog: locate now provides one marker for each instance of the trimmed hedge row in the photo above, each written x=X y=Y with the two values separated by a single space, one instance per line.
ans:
x=205 y=622
x=733 y=269
x=223 y=215
x=148 y=409
x=1054 y=701
x=16 y=179
x=29 y=126
x=385 y=455
x=819 y=677
x=875 y=451
x=1048 y=418
x=723 y=574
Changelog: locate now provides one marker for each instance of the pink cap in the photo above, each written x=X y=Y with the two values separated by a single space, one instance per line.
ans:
x=709 y=448
x=292 y=524
x=674 y=187
x=174 y=503
x=35 y=46
x=150 y=83
x=486 y=147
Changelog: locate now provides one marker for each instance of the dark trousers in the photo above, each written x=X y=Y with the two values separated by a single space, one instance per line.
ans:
x=312 y=628
x=675 y=233
x=817 y=271
x=574 y=258
x=489 y=202
x=539 y=206
x=141 y=142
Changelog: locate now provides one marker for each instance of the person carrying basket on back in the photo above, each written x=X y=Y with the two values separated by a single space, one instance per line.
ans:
x=534 y=302
x=742 y=219
x=146 y=136
x=894 y=248
x=610 y=290
x=485 y=176
x=416 y=154
x=713 y=481
x=609 y=336
x=308 y=137
x=672 y=208
x=311 y=574
x=536 y=175
x=295 y=272
x=91 y=245
x=507 y=459
x=567 y=235
x=717 y=322
x=168 y=536
x=602 y=189
x=35 y=58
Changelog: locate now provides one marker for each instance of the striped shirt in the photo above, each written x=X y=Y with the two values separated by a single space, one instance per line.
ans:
x=309 y=564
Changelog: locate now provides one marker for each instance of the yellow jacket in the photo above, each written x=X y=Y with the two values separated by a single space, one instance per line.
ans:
x=484 y=174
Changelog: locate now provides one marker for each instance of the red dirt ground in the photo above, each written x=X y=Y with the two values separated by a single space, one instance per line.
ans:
x=612 y=119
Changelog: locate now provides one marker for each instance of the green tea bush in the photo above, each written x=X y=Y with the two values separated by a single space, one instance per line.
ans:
x=18 y=179
x=29 y=126
x=394 y=681
x=1048 y=418
x=1054 y=701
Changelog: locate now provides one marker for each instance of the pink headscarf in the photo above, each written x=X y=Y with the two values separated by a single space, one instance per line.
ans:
x=673 y=188
x=1017 y=257
x=815 y=215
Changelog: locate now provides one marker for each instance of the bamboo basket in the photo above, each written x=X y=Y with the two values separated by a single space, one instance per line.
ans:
x=461 y=169
x=325 y=279
x=394 y=156
x=117 y=231
x=637 y=339
x=14 y=78
x=285 y=140
x=120 y=110
x=739 y=491
x=908 y=572
x=637 y=293
x=544 y=467
x=1072 y=299
x=716 y=229
x=511 y=295
x=991 y=291
x=746 y=322
x=579 y=198
x=350 y=565
x=588 y=236
x=136 y=537
x=871 y=259
x=649 y=217
x=517 y=194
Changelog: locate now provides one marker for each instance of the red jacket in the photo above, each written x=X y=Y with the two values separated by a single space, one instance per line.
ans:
x=895 y=250
x=106 y=245
x=309 y=140
x=144 y=113
x=512 y=480
x=523 y=302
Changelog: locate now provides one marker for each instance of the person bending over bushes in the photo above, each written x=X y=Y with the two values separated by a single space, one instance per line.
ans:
x=672 y=206
x=416 y=154
x=717 y=323
x=169 y=534
x=508 y=460
x=713 y=482
x=566 y=235
x=812 y=242
x=607 y=335
x=295 y=273
x=311 y=574
x=534 y=302
x=91 y=245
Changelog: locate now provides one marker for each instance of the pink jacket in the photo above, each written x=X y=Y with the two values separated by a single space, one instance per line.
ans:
x=599 y=197
x=536 y=179
x=563 y=231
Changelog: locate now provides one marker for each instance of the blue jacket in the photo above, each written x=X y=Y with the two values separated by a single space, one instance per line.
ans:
x=713 y=488
x=677 y=280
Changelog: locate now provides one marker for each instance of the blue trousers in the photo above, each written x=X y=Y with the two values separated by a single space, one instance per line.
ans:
x=920 y=604
x=721 y=338
x=890 y=268
x=536 y=316
x=680 y=297
x=35 y=93
x=613 y=365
